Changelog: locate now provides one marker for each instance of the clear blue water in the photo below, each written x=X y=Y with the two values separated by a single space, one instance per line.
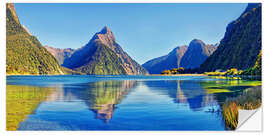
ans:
x=124 y=103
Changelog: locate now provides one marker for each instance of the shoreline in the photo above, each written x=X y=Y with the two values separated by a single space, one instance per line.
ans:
x=176 y=75
x=109 y=75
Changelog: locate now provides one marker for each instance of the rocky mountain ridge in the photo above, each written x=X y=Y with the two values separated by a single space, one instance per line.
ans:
x=60 y=54
x=82 y=58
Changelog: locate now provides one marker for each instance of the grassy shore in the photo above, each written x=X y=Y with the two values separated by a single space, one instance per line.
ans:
x=249 y=100
x=177 y=75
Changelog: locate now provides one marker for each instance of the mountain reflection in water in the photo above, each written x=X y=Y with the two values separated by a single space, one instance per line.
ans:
x=124 y=103
x=184 y=92
x=100 y=97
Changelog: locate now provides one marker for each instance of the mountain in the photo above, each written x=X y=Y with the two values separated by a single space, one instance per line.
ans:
x=241 y=44
x=256 y=69
x=103 y=55
x=169 y=61
x=60 y=54
x=258 y=65
x=183 y=56
x=24 y=53
x=196 y=54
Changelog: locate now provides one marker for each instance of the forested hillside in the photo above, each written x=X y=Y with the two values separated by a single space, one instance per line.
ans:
x=24 y=53
x=241 y=44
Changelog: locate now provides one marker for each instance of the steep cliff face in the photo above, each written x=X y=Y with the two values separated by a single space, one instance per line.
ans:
x=60 y=54
x=104 y=43
x=24 y=53
x=196 y=54
x=241 y=44
x=171 y=60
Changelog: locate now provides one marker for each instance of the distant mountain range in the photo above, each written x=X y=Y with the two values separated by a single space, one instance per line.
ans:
x=241 y=44
x=25 y=54
x=171 y=60
x=60 y=54
x=183 y=56
x=103 y=55
x=196 y=54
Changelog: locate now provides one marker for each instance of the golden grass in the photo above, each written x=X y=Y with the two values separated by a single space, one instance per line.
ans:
x=230 y=114
x=250 y=99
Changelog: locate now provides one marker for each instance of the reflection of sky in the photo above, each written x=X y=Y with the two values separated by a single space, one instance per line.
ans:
x=185 y=92
x=190 y=93
x=144 y=103
x=76 y=79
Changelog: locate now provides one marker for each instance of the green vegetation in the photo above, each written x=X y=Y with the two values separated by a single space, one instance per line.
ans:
x=240 y=45
x=103 y=56
x=229 y=72
x=179 y=70
x=248 y=100
x=256 y=69
x=228 y=85
x=22 y=101
x=216 y=73
x=103 y=62
x=24 y=53
x=68 y=71
x=108 y=92
x=106 y=95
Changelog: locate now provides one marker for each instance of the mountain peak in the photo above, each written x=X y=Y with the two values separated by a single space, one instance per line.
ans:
x=197 y=41
x=196 y=53
x=196 y=44
x=11 y=7
x=250 y=6
x=28 y=46
x=105 y=30
x=178 y=49
x=103 y=55
x=105 y=37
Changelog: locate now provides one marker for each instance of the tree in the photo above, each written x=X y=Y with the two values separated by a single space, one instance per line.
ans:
x=180 y=70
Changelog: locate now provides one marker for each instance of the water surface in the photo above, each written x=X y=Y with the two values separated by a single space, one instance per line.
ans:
x=119 y=102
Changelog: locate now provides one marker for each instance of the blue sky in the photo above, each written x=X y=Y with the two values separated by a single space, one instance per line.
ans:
x=144 y=31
